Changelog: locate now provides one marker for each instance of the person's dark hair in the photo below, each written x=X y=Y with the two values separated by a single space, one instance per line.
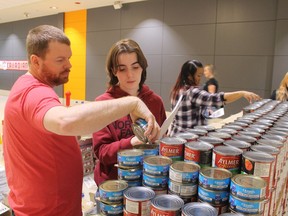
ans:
x=38 y=39
x=124 y=46
x=188 y=68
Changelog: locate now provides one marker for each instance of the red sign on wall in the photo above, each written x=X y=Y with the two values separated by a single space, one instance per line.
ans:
x=13 y=65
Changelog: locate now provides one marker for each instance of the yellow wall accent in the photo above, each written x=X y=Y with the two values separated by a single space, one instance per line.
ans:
x=75 y=29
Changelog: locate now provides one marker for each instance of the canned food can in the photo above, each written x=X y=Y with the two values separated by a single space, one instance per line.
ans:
x=184 y=172
x=247 y=206
x=227 y=130
x=249 y=139
x=199 y=152
x=111 y=209
x=253 y=134
x=148 y=149
x=248 y=187
x=214 y=178
x=244 y=146
x=157 y=165
x=166 y=205
x=137 y=200
x=134 y=183
x=130 y=158
x=221 y=208
x=212 y=196
x=155 y=181
x=172 y=147
x=199 y=132
x=227 y=157
x=129 y=174
x=215 y=141
x=181 y=189
x=222 y=135
x=139 y=127
x=111 y=191
x=187 y=136
x=208 y=128
x=198 y=208
x=259 y=164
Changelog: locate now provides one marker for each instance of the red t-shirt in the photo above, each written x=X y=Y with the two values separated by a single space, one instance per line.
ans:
x=44 y=170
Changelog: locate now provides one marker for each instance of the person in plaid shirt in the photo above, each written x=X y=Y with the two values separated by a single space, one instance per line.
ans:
x=196 y=101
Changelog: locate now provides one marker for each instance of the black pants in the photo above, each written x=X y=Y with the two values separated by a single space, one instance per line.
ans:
x=13 y=214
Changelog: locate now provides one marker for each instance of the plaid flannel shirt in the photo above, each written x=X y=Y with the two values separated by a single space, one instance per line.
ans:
x=192 y=107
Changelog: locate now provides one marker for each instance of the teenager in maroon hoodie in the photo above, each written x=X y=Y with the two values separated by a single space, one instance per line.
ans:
x=126 y=67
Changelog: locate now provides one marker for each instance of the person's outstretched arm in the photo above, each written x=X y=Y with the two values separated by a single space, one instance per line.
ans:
x=90 y=117
x=233 y=96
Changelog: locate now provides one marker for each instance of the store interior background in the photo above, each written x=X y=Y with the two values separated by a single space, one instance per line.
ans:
x=246 y=40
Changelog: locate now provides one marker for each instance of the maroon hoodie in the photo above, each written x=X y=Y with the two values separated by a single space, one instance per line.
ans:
x=117 y=135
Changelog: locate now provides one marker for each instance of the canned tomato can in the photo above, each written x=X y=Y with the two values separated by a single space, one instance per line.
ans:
x=227 y=130
x=182 y=189
x=111 y=209
x=198 y=208
x=227 y=157
x=208 y=128
x=247 y=206
x=249 y=139
x=248 y=187
x=259 y=164
x=130 y=174
x=111 y=191
x=244 y=146
x=148 y=149
x=234 y=127
x=275 y=153
x=157 y=165
x=212 y=196
x=155 y=181
x=130 y=158
x=199 y=152
x=254 y=129
x=172 y=147
x=184 y=172
x=214 y=178
x=253 y=134
x=199 y=132
x=215 y=141
x=139 y=127
x=166 y=205
x=137 y=200
x=187 y=136
x=222 y=135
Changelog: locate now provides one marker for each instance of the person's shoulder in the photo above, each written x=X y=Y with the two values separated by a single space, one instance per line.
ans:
x=104 y=96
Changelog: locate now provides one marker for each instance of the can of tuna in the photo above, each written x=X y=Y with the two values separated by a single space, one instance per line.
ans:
x=130 y=174
x=111 y=209
x=172 y=147
x=213 y=197
x=249 y=139
x=232 y=214
x=220 y=208
x=248 y=187
x=199 y=152
x=166 y=205
x=213 y=178
x=275 y=153
x=155 y=181
x=259 y=164
x=184 y=172
x=227 y=157
x=187 y=136
x=148 y=149
x=139 y=127
x=111 y=191
x=244 y=146
x=222 y=135
x=157 y=165
x=198 y=208
x=158 y=191
x=137 y=200
x=181 y=189
x=130 y=158
x=134 y=183
x=247 y=206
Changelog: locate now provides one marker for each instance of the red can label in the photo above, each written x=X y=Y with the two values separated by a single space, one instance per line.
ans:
x=175 y=152
x=230 y=162
x=157 y=212
x=191 y=155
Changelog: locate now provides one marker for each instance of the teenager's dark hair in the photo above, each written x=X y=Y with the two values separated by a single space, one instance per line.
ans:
x=188 y=68
x=124 y=46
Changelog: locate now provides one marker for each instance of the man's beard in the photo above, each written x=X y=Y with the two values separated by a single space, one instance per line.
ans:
x=55 y=79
